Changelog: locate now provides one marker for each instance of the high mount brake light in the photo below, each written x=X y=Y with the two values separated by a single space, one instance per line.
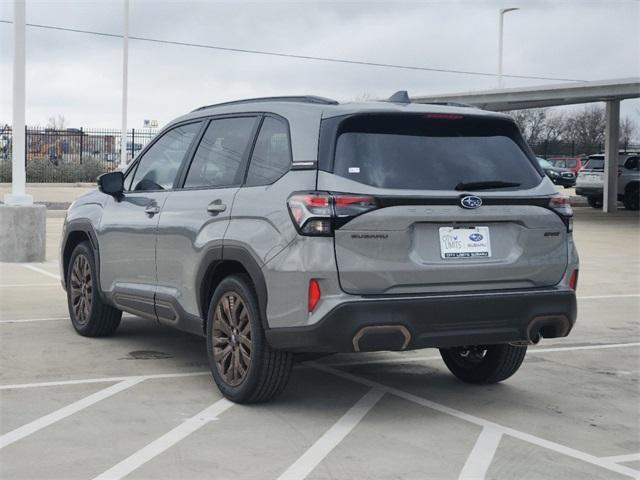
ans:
x=319 y=213
x=562 y=206
x=445 y=116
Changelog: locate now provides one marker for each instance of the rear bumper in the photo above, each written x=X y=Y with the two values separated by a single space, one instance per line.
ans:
x=589 y=191
x=408 y=323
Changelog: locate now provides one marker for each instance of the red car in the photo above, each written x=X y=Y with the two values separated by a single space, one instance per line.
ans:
x=570 y=163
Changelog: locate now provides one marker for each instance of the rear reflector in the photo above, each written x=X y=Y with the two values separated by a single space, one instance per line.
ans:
x=314 y=294
x=573 y=280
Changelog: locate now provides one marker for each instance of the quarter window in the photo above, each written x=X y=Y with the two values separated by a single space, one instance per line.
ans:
x=158 y=167
x=271 y=156
x=218 y=159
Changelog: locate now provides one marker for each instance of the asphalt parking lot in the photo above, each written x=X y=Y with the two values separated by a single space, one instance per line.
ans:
x=142 y=404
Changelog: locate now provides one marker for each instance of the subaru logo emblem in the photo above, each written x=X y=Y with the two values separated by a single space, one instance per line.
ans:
x=475 y=237
x=470 y=201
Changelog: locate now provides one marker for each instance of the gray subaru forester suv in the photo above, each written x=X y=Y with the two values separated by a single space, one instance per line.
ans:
x=298 y=224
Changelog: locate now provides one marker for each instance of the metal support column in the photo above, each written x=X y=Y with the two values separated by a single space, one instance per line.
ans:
x=612 y=133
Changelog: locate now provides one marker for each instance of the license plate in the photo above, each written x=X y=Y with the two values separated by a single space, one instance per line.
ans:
x=464 y=242
x=592 y=178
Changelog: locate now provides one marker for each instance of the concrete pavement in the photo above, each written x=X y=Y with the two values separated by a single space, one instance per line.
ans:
x=141 y=404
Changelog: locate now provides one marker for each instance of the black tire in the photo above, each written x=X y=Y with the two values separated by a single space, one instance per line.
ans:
x=236 y=334
x=594 y=202
x=631 y=199
x=98 y=319
x=484 y=364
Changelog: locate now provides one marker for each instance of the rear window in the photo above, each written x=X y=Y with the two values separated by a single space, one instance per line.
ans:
x=594 y=164
x=431 y=152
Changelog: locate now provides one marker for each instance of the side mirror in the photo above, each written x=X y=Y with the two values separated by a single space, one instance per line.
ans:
x=111 y=183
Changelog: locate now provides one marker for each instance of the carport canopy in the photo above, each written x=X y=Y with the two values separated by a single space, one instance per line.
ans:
x=609 y=91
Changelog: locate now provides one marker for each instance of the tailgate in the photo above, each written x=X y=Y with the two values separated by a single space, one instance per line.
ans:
x=401 y=249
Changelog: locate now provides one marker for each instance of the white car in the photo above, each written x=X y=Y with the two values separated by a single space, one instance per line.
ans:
x=590 y=181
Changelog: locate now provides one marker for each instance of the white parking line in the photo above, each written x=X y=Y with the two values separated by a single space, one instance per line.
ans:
x=23 y=285
x=52 y=319
x=596 y=297
x=40 y=270
x=480 y=458
x=541 y=442
x=408 y=358
x=64 y=412
x=101 y=380
x=332 y=437
x=632 y=457
x=584 y=347
x=30 y=320
x=166 y=441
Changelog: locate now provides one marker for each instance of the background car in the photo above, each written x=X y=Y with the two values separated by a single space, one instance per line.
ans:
x=590 y=180
x=570 y=163
x=559 y=176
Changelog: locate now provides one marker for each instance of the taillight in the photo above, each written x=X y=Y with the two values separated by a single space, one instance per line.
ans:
x=573 y=280
x=562 y=206
x=319 y=213
x=314 y=294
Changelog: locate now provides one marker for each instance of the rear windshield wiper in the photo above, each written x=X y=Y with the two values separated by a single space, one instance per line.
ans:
x=485 y=185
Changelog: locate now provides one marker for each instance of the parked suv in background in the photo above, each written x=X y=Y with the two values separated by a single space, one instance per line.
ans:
x=297 y=224
x=590 y=181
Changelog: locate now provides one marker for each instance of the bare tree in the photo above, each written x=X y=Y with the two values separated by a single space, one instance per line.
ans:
x=58 y=123
x=531 y=123
x=628 y=130
x=586 y=128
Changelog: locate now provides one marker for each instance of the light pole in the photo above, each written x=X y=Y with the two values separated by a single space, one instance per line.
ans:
x=500 y=34
x=125 y=73
x=23 y=224
x=18 y=195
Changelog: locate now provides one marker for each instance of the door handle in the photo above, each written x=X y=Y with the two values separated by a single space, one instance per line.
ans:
x=216 y=207
x=152 y=210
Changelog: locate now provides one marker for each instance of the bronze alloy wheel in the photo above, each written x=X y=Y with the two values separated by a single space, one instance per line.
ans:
x=81 y=289
x=232 y=338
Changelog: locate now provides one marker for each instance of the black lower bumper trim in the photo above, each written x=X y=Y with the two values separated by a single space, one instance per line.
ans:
x=434 y=321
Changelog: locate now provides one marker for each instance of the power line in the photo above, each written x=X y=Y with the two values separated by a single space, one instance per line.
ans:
x=291 y=55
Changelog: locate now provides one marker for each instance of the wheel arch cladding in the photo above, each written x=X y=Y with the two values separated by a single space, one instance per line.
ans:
x=76 y=233
x=218 y=264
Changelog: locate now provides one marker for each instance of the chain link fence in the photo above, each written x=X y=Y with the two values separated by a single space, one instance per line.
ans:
x=70 y=155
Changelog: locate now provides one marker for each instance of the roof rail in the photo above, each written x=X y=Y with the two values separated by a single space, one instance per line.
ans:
x=299 y=98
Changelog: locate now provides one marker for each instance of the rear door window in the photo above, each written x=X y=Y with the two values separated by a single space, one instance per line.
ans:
x=432 y=152
x=218 y=161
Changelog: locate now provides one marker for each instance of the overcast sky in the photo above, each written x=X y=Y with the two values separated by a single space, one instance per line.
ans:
x=79 y=76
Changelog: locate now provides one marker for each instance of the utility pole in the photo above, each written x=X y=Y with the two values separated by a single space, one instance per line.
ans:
x=500 y=41
x=125 y=79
